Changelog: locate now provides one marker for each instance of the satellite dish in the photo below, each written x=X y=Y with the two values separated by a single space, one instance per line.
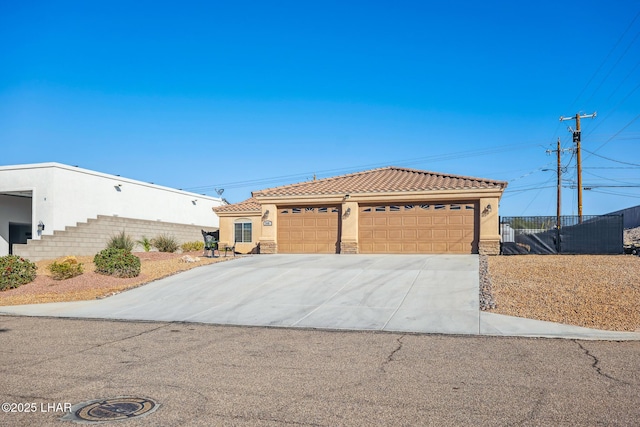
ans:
x=220 y=191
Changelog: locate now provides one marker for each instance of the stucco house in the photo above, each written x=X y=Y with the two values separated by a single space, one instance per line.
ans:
x=386 y=210
x=50 y=209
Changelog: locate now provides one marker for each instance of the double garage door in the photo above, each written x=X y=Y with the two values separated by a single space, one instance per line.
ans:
x=434 y=228
x=401 y=228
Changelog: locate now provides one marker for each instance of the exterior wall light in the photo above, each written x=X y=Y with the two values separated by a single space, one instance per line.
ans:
x=486 y=210
x=347 y=213
x=118 y=187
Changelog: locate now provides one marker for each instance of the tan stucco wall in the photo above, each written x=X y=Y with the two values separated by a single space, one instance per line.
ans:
x=489 y=238
x=227 y=232
x=489 y=226
x=349 y=235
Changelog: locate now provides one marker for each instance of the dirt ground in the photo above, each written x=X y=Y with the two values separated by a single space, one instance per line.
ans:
x=601 y=292
x=594 y=291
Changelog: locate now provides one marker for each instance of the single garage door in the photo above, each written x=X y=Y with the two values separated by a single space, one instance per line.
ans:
x=308 y=230
x=434 y=228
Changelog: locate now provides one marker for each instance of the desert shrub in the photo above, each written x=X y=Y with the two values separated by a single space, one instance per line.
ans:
x=66 y=269
x=165 y=243
x=192 y=246
x=121 y=241
x=145 y=242
x=15 y=271
x=117 y=262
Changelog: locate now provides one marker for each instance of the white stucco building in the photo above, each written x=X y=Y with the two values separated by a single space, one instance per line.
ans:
x=44 y=199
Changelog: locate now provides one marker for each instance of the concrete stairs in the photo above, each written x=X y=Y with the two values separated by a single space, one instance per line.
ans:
x=89 y=238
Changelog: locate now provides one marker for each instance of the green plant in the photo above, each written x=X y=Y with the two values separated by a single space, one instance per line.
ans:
x=15 y=271
x=165 y=243
x=117 y=262
x=145 y=242
x=66 y=269
x=192 y=246
x=121 y=241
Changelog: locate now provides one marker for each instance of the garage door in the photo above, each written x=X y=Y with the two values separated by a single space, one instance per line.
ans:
x=418 y=228
x=308 y=229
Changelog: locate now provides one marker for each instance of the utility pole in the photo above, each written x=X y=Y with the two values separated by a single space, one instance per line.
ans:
x=558 y=152
x=576 y=140
x=559 y=186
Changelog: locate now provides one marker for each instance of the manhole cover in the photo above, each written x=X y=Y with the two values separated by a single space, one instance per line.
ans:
x=115 y=409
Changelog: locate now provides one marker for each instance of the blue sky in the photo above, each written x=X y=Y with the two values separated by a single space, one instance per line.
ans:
x=249 y=95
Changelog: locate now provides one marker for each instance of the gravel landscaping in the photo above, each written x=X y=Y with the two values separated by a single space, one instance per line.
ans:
x=90 y=285
x=594 y=291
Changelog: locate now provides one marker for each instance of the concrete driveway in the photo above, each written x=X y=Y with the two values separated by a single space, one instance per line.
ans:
x=412 y=293
x=404 y=293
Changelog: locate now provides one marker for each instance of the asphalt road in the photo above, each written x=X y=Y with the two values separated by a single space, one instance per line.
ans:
x=206 y=375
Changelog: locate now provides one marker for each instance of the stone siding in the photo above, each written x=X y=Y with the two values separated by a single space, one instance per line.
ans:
x=489 y=247
x=268 y=247
x=348 y=247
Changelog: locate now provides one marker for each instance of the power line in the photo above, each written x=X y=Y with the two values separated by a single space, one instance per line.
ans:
x=614 y=193
x=623 y=81
x=614 y=109
x=614 y=66
x=330 y=172
x=605 y=59
x=612 y=167
x=606 y=179
x=590 y=186
x=531 y=172
x=610 y=159
x=536 y=196
x=511 y=192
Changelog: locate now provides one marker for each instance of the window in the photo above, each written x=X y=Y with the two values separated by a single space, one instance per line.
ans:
x=381 y=208
x=243 y=231
x=454 y=207
x=366 y=210
x=322 y=210
x=425 y=207
x=394 y=208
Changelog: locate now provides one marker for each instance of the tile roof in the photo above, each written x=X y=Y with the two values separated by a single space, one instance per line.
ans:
x=249 y=205
x=384 y=180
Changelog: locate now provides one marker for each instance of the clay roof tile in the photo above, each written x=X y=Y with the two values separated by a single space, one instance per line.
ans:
x=388 y=179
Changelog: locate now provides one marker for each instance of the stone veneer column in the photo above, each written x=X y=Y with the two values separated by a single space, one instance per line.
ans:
x=349 y=232
x=268 y=237
x=348 y=247
x=489 y=248
x=268 y=247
